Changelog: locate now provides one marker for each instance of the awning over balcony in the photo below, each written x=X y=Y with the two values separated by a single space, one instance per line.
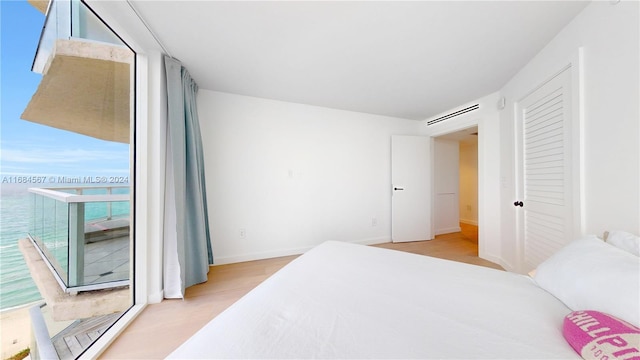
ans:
x=85 y=89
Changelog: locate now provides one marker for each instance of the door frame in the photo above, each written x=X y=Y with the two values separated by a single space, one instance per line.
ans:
x=491 y=183
x=474 y=122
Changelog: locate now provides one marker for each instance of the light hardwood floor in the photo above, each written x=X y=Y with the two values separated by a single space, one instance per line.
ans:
x=161 y=328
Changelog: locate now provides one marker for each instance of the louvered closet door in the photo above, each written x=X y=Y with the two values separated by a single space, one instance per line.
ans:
x=545 y=189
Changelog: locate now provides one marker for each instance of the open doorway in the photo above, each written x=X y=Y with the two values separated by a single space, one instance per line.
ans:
x=468 y=201
x=448 y=162
x=456 y=184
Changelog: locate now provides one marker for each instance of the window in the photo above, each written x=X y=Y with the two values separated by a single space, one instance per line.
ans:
x=67 y=171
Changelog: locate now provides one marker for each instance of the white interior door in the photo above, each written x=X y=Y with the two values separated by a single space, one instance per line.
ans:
x=545 y=221
x=411 y=188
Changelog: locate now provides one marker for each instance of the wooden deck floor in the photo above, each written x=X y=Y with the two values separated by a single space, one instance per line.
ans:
x=161 y=328
x=77 y=337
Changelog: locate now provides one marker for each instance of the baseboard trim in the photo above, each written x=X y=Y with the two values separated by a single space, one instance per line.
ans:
x=497 y=260
x=372 y=241
x=469 y=222
x=259 y=255
x=448 y=230
x=286 y=252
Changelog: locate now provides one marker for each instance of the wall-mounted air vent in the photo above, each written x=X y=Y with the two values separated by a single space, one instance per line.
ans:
x=453 y=114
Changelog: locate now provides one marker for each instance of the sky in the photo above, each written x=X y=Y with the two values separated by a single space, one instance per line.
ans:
x=29 y=149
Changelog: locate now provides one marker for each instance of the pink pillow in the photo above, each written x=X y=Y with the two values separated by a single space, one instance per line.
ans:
x=596 y=335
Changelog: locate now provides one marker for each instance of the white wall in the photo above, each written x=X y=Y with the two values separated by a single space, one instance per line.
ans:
x=446 y=188
x=292 y=176
x=469 y=183
x=610 y=37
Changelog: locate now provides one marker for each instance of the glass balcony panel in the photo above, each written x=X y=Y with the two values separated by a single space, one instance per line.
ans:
x=84 y=235
x=86 y=25
x=106 y=251
x=66 y=20
x=61 y=238
x=49 y=237
x=36 y=218
x=56 y=26
x=120 y=209
x=69 y=18
x=49 y=229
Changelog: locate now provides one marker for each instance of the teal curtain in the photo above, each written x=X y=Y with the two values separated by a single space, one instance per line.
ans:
x=187 y=246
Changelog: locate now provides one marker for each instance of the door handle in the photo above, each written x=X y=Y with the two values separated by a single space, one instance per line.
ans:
x=518 y=203
x=398 y=189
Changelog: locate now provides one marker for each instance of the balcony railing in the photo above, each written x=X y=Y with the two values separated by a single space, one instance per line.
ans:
x=68 y=19
x=83 y=235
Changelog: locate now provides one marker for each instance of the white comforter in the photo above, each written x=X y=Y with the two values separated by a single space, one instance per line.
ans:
x=344 y=301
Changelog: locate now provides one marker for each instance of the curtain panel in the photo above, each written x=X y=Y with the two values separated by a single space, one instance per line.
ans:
x=187 y=246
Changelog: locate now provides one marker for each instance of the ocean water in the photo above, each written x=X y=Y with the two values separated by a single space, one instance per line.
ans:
x=16 y=212
x=16 y=285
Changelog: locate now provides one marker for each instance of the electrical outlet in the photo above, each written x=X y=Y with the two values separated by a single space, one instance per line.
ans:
x=374 y=222
x=243 y=233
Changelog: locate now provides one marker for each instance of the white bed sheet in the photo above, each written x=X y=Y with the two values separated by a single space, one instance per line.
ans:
x=346 y=301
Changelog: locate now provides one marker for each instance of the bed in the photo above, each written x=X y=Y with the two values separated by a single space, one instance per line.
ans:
x=341 y=300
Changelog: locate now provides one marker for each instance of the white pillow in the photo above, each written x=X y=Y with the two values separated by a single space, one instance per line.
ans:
x=589 y=274
x=625 y=241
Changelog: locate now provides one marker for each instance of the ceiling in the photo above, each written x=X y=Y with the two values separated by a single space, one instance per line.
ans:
x=410 y=60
